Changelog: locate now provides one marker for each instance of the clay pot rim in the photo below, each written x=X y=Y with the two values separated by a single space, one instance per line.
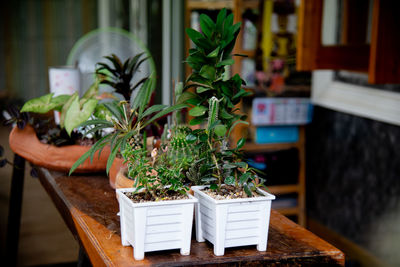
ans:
x=26 y=144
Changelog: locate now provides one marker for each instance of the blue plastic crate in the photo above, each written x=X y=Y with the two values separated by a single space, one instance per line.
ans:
x=277 y=134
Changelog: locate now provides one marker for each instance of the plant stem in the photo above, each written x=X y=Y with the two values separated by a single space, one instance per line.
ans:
x=216 y=165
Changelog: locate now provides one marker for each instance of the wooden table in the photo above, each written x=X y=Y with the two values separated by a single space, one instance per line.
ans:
x=89 y=208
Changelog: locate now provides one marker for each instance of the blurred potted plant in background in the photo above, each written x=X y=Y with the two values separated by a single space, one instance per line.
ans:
x=39 y=140
x=129 y=120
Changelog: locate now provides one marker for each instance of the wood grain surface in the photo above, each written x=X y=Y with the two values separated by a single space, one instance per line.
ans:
x=89 y=208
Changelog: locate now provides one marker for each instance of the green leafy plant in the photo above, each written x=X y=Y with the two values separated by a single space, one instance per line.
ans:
x=156 y=175
x=213 y=102
x=210 y=60
x=119 y=75
x=128 y=121
x=74 y=110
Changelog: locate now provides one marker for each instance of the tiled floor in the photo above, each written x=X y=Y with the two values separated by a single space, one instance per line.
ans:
x=44 y=237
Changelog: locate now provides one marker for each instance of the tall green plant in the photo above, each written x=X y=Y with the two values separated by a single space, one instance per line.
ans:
x=209 y=60
x=213 y=104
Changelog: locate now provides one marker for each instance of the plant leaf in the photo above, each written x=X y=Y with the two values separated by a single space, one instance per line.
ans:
x=226 y=62
x=247 y=190
x=230 y=180
x=39 y=105
x=59 y=101
x=197 y=111
x=80 y=160
x=207 y=25
x=236 y=123
x=191 y=138
x=207 y=72
x=164 y=112
x=113 y=154
x=240 y=143
x=93 y=90
x=151 y=110
x=200 y=90
x=66 y=107
x=220 y=130
x=213 y=187
x=75 y=115
x=196 y=121
x=244 y=177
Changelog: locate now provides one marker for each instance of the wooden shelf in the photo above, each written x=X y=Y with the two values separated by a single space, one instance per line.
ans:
x=289 y=211
x=210 y=5
x=284 y=189
x=253 y=147
x=252 y=4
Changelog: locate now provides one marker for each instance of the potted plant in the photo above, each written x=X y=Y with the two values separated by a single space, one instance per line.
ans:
x=157 y=213
x=130 y=122
x=43 y=143
x=233 y=210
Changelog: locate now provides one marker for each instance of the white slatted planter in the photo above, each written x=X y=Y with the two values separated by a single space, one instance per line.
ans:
x=232 y=222
x=154 y=226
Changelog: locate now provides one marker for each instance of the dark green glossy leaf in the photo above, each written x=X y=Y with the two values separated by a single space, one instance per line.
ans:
x=247 y=190
x=213 y=187
x=186 y=96
x=244 y=177
x=240 y=143
x=191 y=138
x=207 y=25
x=200 y=90
x=226 y=62
x=193 y=35
x=220 y=19
x=214 y=53
x=196 y=121
x=225 y=115
x=207 y=72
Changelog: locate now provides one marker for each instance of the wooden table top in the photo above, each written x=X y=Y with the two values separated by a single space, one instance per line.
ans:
x=89 y=208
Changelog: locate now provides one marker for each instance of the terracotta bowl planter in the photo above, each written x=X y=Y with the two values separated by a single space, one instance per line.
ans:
x=117 y=165
x=26 y=144
x=121 y=180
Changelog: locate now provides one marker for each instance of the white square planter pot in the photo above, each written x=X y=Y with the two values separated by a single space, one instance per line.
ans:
x=232 y=222
x=154 y=226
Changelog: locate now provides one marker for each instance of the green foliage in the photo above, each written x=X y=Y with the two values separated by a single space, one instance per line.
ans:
x=209 y=60
x=45 y=103
x=154 y=174
x=119 y=74
x=74 y=111
x=128 y=120
x=213 y=104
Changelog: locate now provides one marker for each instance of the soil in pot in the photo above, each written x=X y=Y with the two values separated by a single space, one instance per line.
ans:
x=228 y=192
x=143 y=197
